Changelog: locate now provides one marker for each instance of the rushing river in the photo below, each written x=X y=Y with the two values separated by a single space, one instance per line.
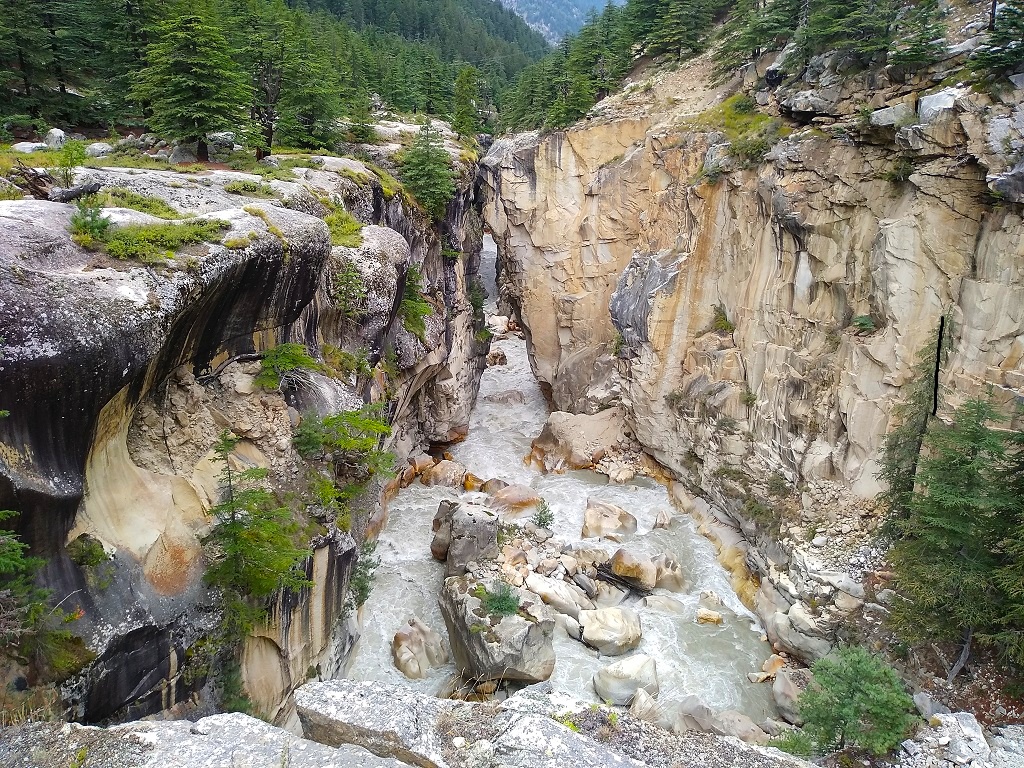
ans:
x=706 y=660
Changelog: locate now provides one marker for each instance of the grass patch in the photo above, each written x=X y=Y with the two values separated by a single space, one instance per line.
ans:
x=152 y=242
x=122 y=197
x=389 y=185
x=248 y=188
x=501 y=602
x=345 y=228
x=750 y=133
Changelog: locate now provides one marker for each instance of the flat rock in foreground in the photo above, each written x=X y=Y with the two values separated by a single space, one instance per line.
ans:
x=215 y=741
x=536 y=728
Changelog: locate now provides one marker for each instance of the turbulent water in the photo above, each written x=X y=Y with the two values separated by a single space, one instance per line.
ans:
x=708 y=661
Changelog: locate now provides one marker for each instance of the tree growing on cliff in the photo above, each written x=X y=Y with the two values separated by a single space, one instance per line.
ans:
x=253 y=548
x=1003 y=51
x=427 y=172
x=190 y=83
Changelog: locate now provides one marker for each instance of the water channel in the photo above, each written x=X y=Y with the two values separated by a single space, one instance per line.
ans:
x=706 y=660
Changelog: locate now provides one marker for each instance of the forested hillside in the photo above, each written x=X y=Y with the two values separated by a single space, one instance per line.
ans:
x=585 y=68
x=76 y=62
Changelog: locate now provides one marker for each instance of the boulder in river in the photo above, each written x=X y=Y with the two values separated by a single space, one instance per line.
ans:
x=635 y=569
x=562 y=596
x=612 y=631
x=447 y=473
x=508 y=397
x=513 y=500
x=577 y=441
x=619 y=681
x=464 y=533
x=416 y=649
x=602 y=519
x=488 y=646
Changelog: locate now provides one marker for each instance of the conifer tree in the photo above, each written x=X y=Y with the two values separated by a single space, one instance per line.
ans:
x=682 y=27
x=1003 y=51
x=191 y=84
x=920 y=35
x=253 y=549
x=947 y=553
x=427 y=172
x=466 y=120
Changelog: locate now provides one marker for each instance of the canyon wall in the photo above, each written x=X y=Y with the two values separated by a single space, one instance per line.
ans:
x=758 y=319
x=120 y=376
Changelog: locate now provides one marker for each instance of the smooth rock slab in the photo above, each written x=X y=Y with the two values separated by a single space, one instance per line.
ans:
x=619 y=681
x=217 y=741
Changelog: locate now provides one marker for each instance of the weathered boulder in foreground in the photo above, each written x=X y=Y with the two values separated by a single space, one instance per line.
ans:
x=528 y=730
x=213 y=742
x=612 y=631
x=620 y=680
x=490 y=647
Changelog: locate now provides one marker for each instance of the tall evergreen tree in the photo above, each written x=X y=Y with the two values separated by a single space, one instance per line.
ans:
x=682 y=27
x=920 y=35
x=466 y=120
x=947 y=554
x=427 y=172
x=191 y=84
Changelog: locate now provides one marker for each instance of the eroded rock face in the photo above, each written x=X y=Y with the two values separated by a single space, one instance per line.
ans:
x=487 y=646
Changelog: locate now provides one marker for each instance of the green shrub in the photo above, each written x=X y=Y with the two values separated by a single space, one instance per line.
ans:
x=414 y=309
x=863 y=324
x=364 y=571
x=748 y=398
x=501 y=602
x=279 y=360
x=88 y=225
x=900 y=172
x=345 y=228
x=795 y=743
x=11 y=193
x=777 y=484
x=69 y=157
x=152 y=242
x=349 y=290
x=349 y=440
x=477 y=295
x=855 y=699
x=343 y=363
x=87 y=552
x=250 y=189
x=544 y=517
x=121 y=197
x=721 y=321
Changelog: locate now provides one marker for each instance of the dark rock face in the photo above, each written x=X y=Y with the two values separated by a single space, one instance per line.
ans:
x=76 y=335
x=645 y=277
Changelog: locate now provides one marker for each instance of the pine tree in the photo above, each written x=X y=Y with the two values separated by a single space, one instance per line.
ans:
x=682 y=27
x=427 y=172
x=920 y=35
x=191 y=84
x=252 y=547
x=466 y=120
x=855 y=700
x=861 y=27
x=947 y=553
x=1003 y=51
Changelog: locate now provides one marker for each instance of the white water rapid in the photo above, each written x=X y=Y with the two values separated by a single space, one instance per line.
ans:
x=706 y=660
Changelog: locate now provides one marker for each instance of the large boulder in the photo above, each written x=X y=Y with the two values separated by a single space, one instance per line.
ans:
x=784 y=634
x=789 y=685
x=576 y=441
x=612 y=631
x=229 y=739
x=416 y=649
x=634 y=568
x=603 y=519
x=514 y=500
x=442 y=529
x=449 y=474
x=619 y=681
x=55 y=138
x=563 y=597
x=464 y=533
x=492 y=647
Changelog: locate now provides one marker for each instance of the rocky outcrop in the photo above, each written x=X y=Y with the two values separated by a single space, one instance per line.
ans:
x=211 y=742
x=416 y=649
x=119 y=376
x=497 y=646
x=535 y=728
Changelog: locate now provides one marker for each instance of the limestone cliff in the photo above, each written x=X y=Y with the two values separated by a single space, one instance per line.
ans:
x=119 y=377
x=758 y=319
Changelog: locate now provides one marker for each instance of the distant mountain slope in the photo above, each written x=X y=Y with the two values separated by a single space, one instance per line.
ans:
x=555 y=18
